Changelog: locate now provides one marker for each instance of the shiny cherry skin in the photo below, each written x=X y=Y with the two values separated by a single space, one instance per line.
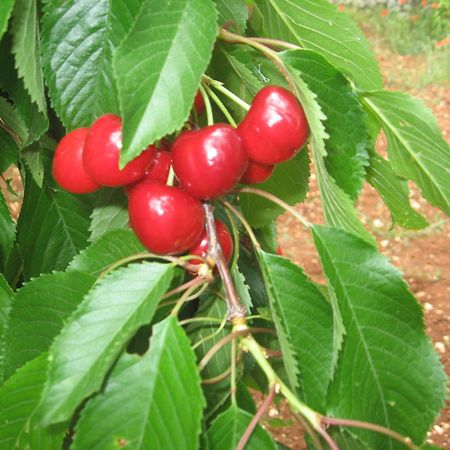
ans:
x=102 y=152
x=275 y=127
x=225 y=239
x=166 y=219
x=199 y=103
x=68 y=169
x=256 y=173
x=210 y=161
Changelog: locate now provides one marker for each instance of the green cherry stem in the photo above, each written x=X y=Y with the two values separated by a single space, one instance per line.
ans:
x=221 y=106
x=209 y=113
x=276 y=43
x=218 y=85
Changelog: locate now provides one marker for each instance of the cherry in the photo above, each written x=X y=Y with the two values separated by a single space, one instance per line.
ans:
x=226 y=242
x=166 y=219
x=256 y=173
x=102 y=152
x=199 y=103
x=68 y=169
x=275 y=127
x=159 y=168
x=210 y=161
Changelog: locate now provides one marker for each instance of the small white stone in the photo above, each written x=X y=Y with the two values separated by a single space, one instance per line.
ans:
x=428 y=306
x=438 y=429
x=273 y=412
x=440 y=347
x=378 y=223
x=384 y=243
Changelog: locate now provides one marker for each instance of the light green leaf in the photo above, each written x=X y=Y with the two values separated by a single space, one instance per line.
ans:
x=6 y=295
x=159 y=66
x=289 y=182
x=110 y=213
x=8 y=232
x=348 y=137
x=242 y=288
x=317 y=25
x=26 y=49
x=304 y=322
x=394 y=192
x=79 y=40
x=227 y=430
x=6 y=7
x=233 y=13
x=163 y=396
x=388 y=372
x=111 y=247
x=417 y=150
x=109 y=316
x=39 y=310
x=337 y=206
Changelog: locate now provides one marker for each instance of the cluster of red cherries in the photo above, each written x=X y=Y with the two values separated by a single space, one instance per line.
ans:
x=207 y=162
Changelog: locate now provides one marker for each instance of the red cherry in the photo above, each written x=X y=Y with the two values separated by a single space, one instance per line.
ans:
x=68 y=169
x=167 y=220
x=102 y=152
x=199 y=103
x=210 y=161
x=225 y=239
x=256 y=173
x=279 y=251
x=275 y=127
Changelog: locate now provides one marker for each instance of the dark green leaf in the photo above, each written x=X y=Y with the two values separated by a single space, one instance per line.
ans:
x=159 y=66
x=233 y=13
x=111 y=247
x=109 y=316
x=8 y=232
x=79 y=40
x=6 y=7
x=38 y=313
x=289 y=182
x=162 y=395
x=12 y=123
x=317 y=25
x=417 y=150
x=394 y=192
x=110 y=212
x=387 y=371
x=9 y=150
x=348 y=138
x=227 y=430
x=304 y=322
x=249 y=267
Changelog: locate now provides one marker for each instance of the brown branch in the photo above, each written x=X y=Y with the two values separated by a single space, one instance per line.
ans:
x=328 y=439
x=257 y=417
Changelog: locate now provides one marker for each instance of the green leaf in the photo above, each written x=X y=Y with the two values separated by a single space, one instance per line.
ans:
x=26 y=49
x=109 y=316
x=110 y=248
x=8 y=232
x=159 y=66
x=394 y=192
x=317 y=25
x=9 y=150
x=249 y=267
x=6 y=295
x=388 y=372
x=289 y=182
x=53 y=227
x=163 y=396
x=227 y=430
x=417 y=150
x=79 y=41
x=6 y=7
x=337 y=206
x=242 y=287
x=12 y=122
x=348 y=137
x=110 y=213
x=304 y=322
x=233 y=13
x=38 y=313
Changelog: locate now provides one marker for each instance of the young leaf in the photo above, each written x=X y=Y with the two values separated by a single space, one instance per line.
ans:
x=234 y=13
x=159 y=66
x=110 y=248
x=348 y=137
x=394 y=192
x=109 y=316
x=6 y=7
x=110 y=213
x=387 y=362
x=317 y=25
x=79 y=40
x=227 y=430
x=8 y=232
x=289 y=182
x=417 y=150
x=162 y=394
x=38 y=313
x=304 y=322
x=27 y=52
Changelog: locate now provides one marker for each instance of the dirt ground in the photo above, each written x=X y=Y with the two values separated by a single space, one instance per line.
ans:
x=423 y=256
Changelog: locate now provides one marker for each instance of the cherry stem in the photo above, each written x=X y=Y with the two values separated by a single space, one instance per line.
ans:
x=233 y=372
x=257 y=417
x=209 y=113
x=187 y=295
x=276 y=43
x=221 y=106
x=278 y=201
x=218 y=85
x=212 y=335
x=369 y=426
x=328 y=439
x=234 y=307
x=307 y=427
